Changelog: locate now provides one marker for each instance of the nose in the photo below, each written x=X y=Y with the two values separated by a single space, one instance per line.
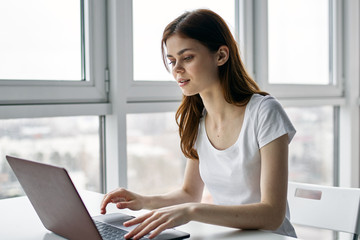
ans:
x=178 y=68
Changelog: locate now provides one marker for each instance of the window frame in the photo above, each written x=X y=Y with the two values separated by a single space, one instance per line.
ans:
x=145 y=91
x=254 y=32
x=344 y=95
x=259 y=10
x=93 y=90
x=154 y=91
x=52 y=98
x=142 y=96
x=112 y=49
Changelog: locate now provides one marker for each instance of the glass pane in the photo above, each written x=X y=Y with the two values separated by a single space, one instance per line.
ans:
x=298 y=32
x=155 y=162
x=70 y=142
x=40 y=40
x=311 y=153
x=148 y=27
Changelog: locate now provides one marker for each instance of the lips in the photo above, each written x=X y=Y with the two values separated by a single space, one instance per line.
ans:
x=183 y=82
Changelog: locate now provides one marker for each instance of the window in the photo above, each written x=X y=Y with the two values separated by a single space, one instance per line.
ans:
x=152 y=96
x=295 y=51
x=70 y=142
x=299 y=57
x=148 y=64
x=155 y=162
x=55 y=50
x=297 y=61
x=311 y=154
x=52 y=87
x=38 y=44
x=299 y=47
x=150 y=81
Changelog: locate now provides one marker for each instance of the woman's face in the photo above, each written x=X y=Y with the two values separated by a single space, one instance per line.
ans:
x=193 y=66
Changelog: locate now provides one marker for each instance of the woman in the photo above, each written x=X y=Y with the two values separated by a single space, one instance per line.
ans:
x=234 y=135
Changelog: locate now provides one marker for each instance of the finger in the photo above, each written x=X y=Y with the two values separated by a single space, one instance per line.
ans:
x=138 y=220
x=126 y=204
x=159 y=229
x=150 y=227
x=113 y=196
x=142 y=221
x=106 y=200
x=122 y=205
x=104 y=203
x=133 y=232
x=144 y=228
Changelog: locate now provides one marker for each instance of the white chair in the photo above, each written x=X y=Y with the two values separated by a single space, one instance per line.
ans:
x=332 y=208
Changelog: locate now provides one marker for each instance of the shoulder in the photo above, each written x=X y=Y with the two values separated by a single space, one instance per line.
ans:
x=267 y=111
x=263 y=103
x=270 y=120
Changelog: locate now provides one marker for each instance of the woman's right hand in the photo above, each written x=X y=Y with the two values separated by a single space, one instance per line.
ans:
x=123 y=199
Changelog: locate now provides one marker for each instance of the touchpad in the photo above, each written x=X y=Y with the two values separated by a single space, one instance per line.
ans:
x=116 y=219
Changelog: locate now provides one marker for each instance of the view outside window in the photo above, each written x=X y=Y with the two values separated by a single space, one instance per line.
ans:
x=148 y=27
x=40 y=40
x=299 y=47
x=311 y=154
x=155 y=162
x=69 y=142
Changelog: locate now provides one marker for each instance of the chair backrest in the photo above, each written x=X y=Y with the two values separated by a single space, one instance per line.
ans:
x=333 y=208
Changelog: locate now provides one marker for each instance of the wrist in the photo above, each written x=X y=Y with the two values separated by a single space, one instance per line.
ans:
x=192 y=210
x=147 y=202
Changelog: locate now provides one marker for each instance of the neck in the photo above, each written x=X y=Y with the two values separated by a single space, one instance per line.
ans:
x=218 y=110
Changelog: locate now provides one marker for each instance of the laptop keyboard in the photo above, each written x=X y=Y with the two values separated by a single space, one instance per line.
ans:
x=109 y=232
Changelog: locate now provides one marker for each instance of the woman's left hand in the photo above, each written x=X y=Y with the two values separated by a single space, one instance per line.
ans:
x=158 y=220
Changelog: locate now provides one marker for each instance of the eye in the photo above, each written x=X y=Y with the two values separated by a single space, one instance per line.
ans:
x=188 y=58
x=172 y=62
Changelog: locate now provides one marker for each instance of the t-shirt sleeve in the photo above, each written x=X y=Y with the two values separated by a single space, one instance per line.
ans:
x=272 y=122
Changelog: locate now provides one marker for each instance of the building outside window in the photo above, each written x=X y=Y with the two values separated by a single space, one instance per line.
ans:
x=48 y=69
x=69 y=142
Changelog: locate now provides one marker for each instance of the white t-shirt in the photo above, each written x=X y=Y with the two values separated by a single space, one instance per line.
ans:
x=232 y=176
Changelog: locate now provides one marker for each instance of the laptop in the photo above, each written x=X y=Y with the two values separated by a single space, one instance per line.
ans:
x=61 y=209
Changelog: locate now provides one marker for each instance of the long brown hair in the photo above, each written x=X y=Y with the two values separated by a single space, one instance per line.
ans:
x=211 y=30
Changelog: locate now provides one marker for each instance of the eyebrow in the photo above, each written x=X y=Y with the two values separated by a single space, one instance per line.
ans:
x=180 y=52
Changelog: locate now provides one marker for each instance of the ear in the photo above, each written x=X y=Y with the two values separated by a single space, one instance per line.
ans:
x=222 y=55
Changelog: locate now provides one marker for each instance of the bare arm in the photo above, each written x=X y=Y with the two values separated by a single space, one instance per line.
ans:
x=191 y=191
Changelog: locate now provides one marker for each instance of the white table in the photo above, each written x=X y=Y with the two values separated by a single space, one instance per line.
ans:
x=19 y=221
